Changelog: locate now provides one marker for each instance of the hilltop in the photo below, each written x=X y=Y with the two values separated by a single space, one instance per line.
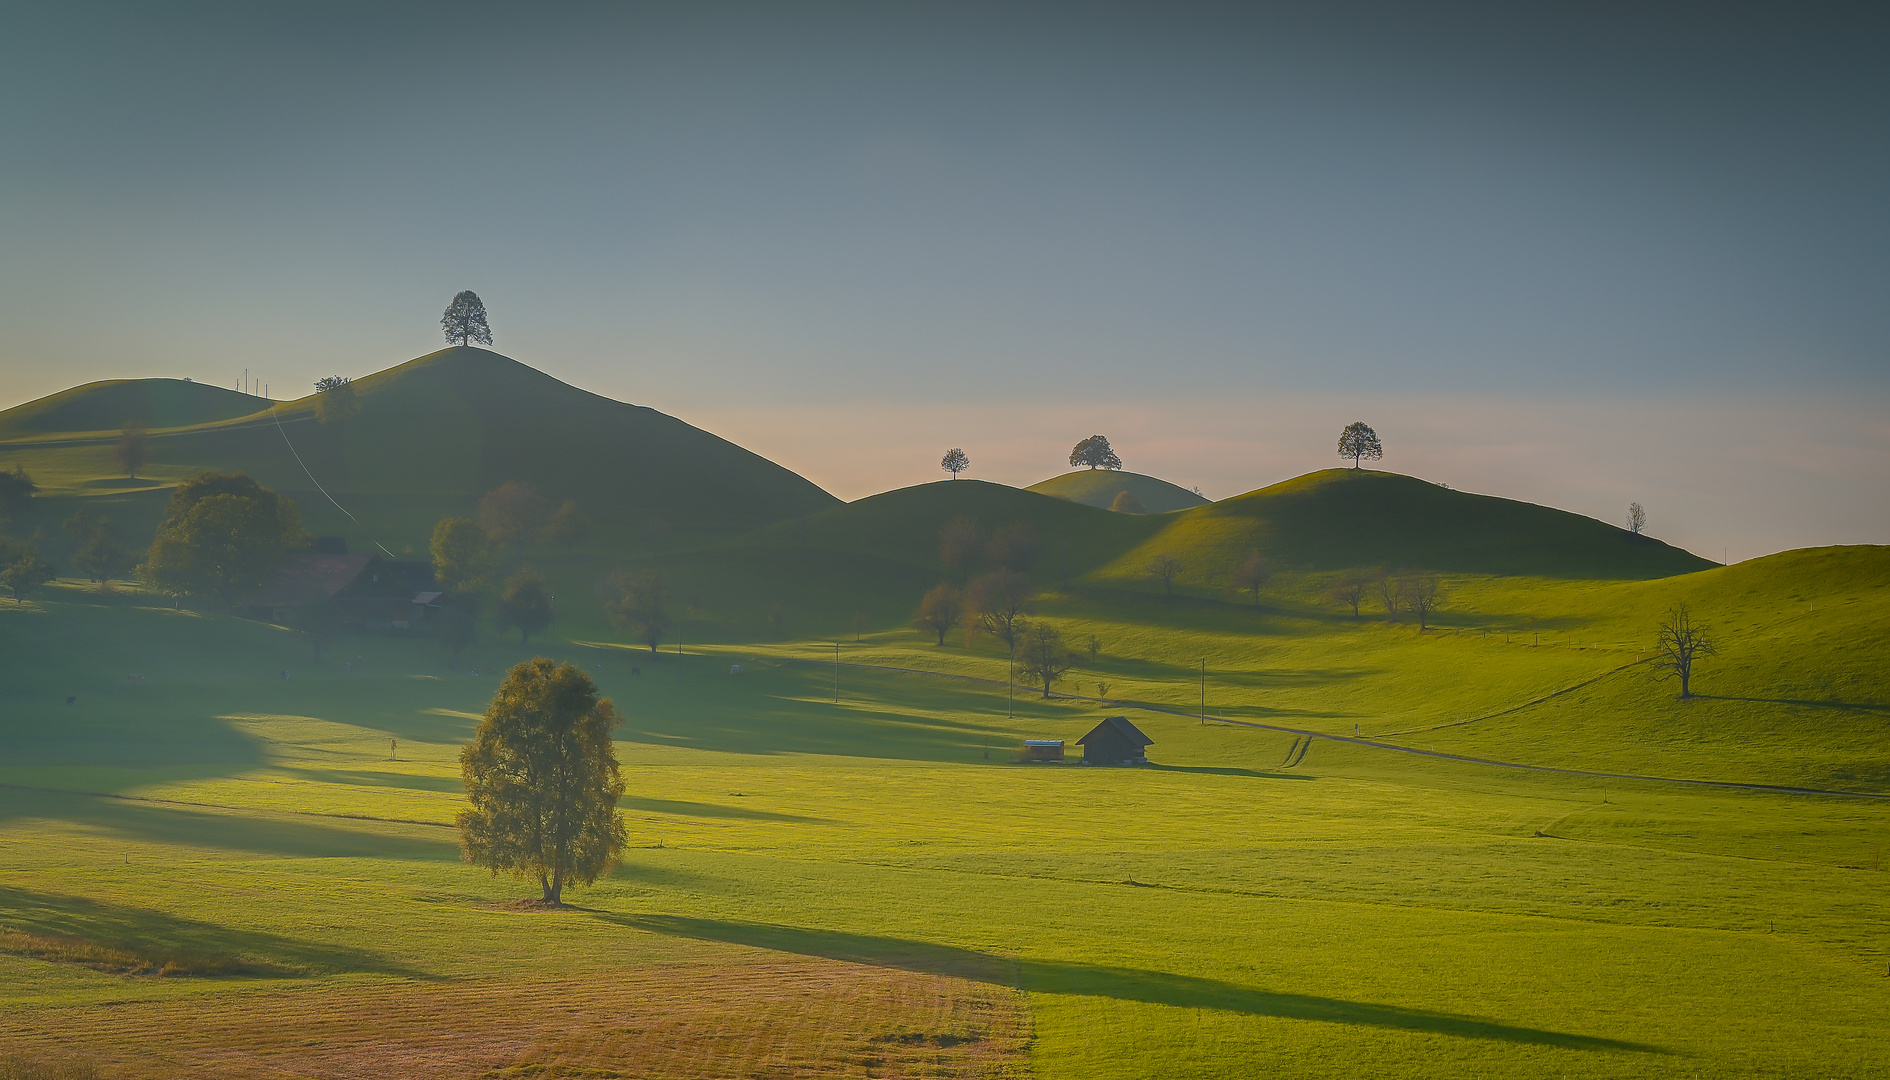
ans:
x=1099 y=487
x=432 y=435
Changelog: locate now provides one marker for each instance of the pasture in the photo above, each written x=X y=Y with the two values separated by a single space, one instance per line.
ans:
x=873 y=888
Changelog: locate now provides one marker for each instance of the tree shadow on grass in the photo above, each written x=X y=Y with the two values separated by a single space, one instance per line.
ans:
x=1218 y=770
x=146 y=933
x=252 y=832
x=1122 y=984
x=1808 y=703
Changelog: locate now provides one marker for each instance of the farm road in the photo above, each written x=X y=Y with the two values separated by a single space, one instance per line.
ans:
x=1143 y=706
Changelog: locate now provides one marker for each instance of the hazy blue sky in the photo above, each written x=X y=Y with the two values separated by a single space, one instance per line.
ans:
x=793 y=222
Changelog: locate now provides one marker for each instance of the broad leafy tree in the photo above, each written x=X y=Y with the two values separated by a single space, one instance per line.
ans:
x=1251 y=574
x=222 y=537
x=542 y=778
x=955 y=461
x=524 y=604
x=1357 y=441
x=514 y=513
x=133 y=449
x=1680 y=642
x=940 y=610
x=1165 y=567
x=335 y=401
x=16 y=492
x=104 y=556
x=465 y=320
x=1636 y=518
x=1095 y=453
x=462 y=559
x=1041 y=657
x=1125 y=502
x=637 y=604
x=21 y=568
x=1421 y=595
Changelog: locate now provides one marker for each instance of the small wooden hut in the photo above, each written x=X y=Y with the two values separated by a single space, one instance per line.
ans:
x=1115 y=741
x=1042 y=750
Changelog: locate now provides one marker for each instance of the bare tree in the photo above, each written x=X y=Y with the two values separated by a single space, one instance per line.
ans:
x=465 y=320
x=1000 y=600
x=1042 y=658
x=1681 y=641
x=1636 y=518
x=1095 y=453
x=940 y=610
x=1165 y=567
x=1350 y=590
x=1252 y=575
x=1357 y=441
x=1386 y=587
x=955 y=462
x=1422 y=594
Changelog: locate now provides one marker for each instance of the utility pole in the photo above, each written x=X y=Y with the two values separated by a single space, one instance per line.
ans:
x=1204 y=691
x=1010 y=686
x=836 y=673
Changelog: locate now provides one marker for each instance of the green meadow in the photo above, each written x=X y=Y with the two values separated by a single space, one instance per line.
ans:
x=241 y=863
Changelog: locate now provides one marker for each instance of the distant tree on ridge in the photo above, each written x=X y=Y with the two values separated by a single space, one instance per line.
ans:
x=1357 y=441
x=1095 y=453
x=1636 y=518
x=335 y=401
x=955 y=462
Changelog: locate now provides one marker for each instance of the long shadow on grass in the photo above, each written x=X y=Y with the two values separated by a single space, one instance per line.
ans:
x=189 y=943
x=1216 y=770
x=1124 y=984
x=1846 y=706
x=155 y=823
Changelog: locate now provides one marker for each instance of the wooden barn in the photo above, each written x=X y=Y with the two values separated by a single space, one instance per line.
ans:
x=364 y=592
x=1115 y=741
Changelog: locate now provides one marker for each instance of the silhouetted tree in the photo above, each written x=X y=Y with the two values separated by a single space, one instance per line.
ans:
x=1386 y=587
x=222 y=537
x=133 y=449
x=21 y=568
x=939 y=610
x=462 y=559
x=1357 y=441
x=1095 y=453
x=1041 y=658
x=1421 y=595
x=16 y=491
x=959 y=543
x=335 y=401
x=1636 y=518
x=638 y=603
x=1252 y=574
x=1349 y=590
x=1165 y=567
x=1000 y=600
x=1127 y=503
x=465 y=320
x=543 y=781
x=1012 y=547
x=524 y=603
x=955 y=461
x=514 y=513
x=1681 y=641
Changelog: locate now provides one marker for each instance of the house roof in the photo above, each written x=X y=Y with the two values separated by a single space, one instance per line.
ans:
x=307 y=578
x=1121 y=726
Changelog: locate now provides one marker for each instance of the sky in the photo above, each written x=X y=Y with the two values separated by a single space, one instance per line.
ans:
x=1586 y=256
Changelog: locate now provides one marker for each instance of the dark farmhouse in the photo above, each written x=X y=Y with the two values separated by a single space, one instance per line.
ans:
x=1115 y=741
x=363 y=591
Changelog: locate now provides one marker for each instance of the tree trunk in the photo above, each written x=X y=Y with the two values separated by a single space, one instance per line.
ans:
x=1685 y=676
x=941 y=630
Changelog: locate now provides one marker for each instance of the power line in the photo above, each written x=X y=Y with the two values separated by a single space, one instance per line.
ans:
x=318 y=485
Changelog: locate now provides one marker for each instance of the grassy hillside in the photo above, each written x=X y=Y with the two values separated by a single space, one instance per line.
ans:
x=108 y=406
x=431 y=437
x=1341 y=519
x=1099 y=487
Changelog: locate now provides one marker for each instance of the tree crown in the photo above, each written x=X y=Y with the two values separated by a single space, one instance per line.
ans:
x=465 y=320
x=1095 y=453
x=1358 y=440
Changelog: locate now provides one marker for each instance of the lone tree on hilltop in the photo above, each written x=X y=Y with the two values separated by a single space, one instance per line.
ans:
x=465 y=320
x=1681 y=641
x=1252 y=574
x=1165 y=567
x=222 y=537
x=1636 y=518
x=1095 y=453
x=1125 y=502
x=133 y=449
x=955 y=461
x=1042 y=657
x=1422 y=595
x=940 y=610
x=1357 y=441
x=335 y=402
x=524 y=604
x=542 y=778
x=638 y=603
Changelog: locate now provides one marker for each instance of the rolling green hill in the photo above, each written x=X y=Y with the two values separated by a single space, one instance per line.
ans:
x=433 y=435
x=1339 y=519
x=107 y=406
x=1099 y=487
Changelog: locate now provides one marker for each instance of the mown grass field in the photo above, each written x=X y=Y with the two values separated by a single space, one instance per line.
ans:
x=856 y=889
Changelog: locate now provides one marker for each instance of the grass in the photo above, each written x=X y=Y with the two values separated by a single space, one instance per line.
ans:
x=1099 y=487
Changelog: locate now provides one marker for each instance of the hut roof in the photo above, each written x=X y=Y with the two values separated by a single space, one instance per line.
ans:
x=307 y=579
x=1122 y=727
